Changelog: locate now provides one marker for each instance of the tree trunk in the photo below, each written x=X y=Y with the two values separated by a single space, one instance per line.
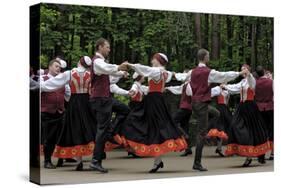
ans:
x=253 y=45
x=241 y=37
x=206 y=32
x=72 y=41
x=198 y=29
x=215 y=37
x=229 y=26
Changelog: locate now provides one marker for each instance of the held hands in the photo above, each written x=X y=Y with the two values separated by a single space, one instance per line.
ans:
x=223 y=86
x=126 y=74
x=131 y=93
x=124 y=66
x=244 y=72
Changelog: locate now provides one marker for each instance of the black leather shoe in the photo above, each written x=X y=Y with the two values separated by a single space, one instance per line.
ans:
x=49 y=165
x=98 y=167
x=199 y=167
x=60 y=162
x=218 y=151
x=160 y=165
x=247 y=162
x=79 y=167
x=186 y=153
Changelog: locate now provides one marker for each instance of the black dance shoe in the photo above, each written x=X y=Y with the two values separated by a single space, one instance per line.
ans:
x=186 y=152
x=98 y=167
x=160 y=165
x=247 y=162
x=199 y=167
x=60 y=162
x=261 y=159
x=79 y=167
x=218 y=151
x=49 y=165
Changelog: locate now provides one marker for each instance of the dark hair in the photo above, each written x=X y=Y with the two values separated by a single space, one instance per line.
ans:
x=53 y=61
x=100 y=42
x=260 y=71
x=201 y=54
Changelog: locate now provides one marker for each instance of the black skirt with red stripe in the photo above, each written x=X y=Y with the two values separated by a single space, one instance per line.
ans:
x=218 y=127
x=77 y=137
x=247 y=133
x=149 y=129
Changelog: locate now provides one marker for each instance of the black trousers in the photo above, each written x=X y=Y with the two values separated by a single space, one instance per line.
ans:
x=269 y=121
x=51 y=127
x=121 y=111
x=102 y=109
x=181 y=118
x=202 y=111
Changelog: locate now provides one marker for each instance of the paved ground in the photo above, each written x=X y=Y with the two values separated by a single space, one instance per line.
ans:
x=123 y=168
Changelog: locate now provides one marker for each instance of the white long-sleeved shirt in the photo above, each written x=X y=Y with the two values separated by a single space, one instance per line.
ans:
x=177 y=90
x=154 y=73
x=245 y=84
x=113 y=79
x=114 y=88
x=33 y=85
x=64 y=78
x=101 y=67
x=60 y=80
x=67 y=93
x=137 y=87
x=214 y=76
x=216 y=91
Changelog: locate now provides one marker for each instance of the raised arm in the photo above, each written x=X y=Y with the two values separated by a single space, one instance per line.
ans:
x=101 y=67
x=145 y=89
x=114 y=88
x=215 y=91
x=233 y=88
x=151 y=72
x=182 y=77
x=251 y=81
x=170 y=76
x=56 y=82
x=177 y=90
x=220 y=77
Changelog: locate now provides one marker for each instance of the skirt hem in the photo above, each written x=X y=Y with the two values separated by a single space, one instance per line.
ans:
x=154 y=150
x=247 y=150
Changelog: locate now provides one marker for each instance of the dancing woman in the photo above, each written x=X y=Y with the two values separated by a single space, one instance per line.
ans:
x=247 y=133
x=156 y=133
